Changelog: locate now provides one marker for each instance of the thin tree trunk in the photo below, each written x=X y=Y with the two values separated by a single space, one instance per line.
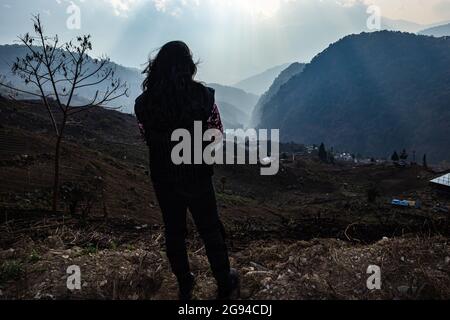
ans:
x=56 y=174
x=56 y=181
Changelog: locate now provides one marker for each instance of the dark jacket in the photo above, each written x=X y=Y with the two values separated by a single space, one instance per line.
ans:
x=158 y=132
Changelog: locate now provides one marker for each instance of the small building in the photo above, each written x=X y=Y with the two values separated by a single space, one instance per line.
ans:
x=442 y=183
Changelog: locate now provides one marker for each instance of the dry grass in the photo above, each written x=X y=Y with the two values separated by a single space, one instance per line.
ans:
x=131 y=264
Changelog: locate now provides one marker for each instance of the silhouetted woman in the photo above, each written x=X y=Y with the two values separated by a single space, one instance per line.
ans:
x=172 y=100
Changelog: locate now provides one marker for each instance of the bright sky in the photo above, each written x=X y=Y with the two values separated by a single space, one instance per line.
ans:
x=233 y=38
x=419 y=11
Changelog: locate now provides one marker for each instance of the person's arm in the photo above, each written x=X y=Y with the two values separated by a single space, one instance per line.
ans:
x=139 y=111
x=141 y=129
x=215 y=121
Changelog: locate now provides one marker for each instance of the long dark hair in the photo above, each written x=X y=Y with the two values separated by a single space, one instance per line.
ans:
x=170 y=83
x=173 y=65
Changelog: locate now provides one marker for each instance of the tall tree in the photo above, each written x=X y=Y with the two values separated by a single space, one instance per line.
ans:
x=58 y=71
x=395 y=157
x=323 y=155
x=425 y=161
x=404 y=155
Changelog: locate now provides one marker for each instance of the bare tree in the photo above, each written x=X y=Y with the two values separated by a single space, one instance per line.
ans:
x=57 y=71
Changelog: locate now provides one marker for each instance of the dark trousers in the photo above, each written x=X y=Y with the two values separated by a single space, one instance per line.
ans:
x=200 y=199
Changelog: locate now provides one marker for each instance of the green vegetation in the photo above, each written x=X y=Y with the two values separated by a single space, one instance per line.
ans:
x=34 y=256
x=90 y=249
x=232 y=199
x=10 y=270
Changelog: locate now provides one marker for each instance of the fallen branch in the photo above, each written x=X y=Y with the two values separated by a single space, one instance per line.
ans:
x=346 y=233
x=44 y=227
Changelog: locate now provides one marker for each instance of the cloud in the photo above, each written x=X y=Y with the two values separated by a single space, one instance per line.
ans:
x=171 y=7
x=255 y=8
x=161 y=5
x=121 y=7
x=174 y=7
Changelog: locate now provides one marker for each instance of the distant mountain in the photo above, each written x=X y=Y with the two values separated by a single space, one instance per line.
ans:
x=232 y=117
x=291 y=71
x=235 y=104
x=133 y=77
x=260 y=83
x=439 y=31
x=372 y=94
x=401 y=25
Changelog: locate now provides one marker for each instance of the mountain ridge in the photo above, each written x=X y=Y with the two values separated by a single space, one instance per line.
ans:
x=374 y=86
x=281 y=80
x=260 y=83
x=437 y=31
x=235 y=103
x=229 y=98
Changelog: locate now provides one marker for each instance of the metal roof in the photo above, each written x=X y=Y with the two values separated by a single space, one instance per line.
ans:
x=444 y=180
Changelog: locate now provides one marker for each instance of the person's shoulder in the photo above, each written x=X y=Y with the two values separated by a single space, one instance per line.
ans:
x=207 y=96
x=141 y=99
x=140 y=103
x=204 y=89
x=211 y=92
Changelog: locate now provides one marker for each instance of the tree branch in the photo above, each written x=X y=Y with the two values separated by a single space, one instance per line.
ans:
x=19 y=90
